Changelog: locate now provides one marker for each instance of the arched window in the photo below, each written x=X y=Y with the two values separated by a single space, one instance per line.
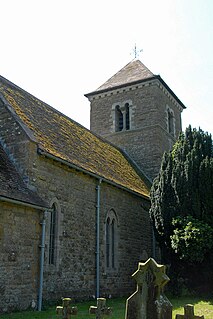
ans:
x=118 y=119
x=53 y=232
x=113 y=243
x=52 y=236
x=170 y=121
x=107 y=241
x=111 y=240
x=127 y=116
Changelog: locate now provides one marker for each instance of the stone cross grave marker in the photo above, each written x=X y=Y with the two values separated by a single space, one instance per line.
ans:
x=66 y=311
x=188 y=313
x=101 y=310
x=148 y=301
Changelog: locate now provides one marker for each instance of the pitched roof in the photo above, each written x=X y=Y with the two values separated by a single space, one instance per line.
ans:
x=134 y=71
x=62 y=137
x=12 y=186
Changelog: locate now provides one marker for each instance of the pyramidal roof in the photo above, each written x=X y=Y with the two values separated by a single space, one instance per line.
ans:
x=134 y=71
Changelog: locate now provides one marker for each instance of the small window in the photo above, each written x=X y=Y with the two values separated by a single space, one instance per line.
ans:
x=107 y=242
x=170 y=122
x=127 y=116
x=113 y=243
x=111 y=240
x=119 y=119
x=52 y=236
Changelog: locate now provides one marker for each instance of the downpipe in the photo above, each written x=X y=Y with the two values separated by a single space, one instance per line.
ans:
x=42 y=246
x=98 y=191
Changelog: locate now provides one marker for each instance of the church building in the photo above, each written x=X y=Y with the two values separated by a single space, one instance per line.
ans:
x=74 y=203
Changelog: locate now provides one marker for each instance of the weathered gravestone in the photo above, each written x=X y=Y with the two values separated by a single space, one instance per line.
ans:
x=188 y=313
x=101 y=310
x=65 y=311
x=148 y=301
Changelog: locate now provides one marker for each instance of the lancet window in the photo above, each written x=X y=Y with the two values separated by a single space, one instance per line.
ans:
x=111 y=240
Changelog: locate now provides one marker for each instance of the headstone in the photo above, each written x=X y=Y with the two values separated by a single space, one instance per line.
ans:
x=101 y=310
x=148 y=301
x=188 y=313
x=66 y=311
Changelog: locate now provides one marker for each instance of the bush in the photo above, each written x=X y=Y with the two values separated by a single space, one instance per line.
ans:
x=191 y=238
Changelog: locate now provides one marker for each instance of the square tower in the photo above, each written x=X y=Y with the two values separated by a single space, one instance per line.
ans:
x=138 y=112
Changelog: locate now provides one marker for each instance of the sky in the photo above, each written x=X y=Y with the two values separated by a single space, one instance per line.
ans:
x=61 y=50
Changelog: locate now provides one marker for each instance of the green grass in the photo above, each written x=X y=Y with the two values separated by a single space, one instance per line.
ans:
x=202 y=307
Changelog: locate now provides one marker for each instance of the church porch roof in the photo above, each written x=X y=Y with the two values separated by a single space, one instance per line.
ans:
x=12 y=186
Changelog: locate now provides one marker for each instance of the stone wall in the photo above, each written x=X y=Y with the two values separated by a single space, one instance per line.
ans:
x=146 y=147
x=19 y=254
x=75 y=194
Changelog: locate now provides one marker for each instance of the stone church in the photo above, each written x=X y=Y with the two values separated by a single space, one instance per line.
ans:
x=74 y=202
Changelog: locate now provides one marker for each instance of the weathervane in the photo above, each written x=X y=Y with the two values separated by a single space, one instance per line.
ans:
x=136 y=52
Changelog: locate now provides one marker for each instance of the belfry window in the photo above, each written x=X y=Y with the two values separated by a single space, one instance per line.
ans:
x=111 y=240
x=127 y=116
x=121 y=116
x=118 y=119
x=170 y=121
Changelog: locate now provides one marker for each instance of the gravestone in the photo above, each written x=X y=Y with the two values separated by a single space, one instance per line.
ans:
x=66 y=311
x=148 y=301
x=101 y=310
x=188 y=313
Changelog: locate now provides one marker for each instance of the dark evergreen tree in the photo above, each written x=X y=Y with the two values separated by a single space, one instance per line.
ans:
x=182 y=208
x=184 y=186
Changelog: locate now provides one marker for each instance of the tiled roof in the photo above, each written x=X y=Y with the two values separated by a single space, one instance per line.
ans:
x=132 y=72
x=12 y=186
x=64 y=138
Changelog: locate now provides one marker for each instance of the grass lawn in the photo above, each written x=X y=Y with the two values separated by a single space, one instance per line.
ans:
x=202 y=307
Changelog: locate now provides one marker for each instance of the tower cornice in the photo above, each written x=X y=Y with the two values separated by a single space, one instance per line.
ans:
x=154 y=80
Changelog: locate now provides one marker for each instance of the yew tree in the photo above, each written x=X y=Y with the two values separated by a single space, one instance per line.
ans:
x=182 y=189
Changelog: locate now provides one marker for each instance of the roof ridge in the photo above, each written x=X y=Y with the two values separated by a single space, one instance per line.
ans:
x=134 y=71
x=39 y=100
x=114 y=74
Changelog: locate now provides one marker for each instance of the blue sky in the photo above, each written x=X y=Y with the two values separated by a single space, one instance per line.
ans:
x=60 y=50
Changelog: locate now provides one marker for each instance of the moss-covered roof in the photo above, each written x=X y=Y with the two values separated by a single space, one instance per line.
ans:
x=12 y=185
x=64 y=138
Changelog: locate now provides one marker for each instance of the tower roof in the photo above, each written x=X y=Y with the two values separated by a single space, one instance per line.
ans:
x=134 y=71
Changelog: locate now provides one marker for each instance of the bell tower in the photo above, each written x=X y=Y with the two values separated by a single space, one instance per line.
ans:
x=138 y=112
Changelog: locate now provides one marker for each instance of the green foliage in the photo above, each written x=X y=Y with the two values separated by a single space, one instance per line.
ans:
x=191 y=238
x=184 y=185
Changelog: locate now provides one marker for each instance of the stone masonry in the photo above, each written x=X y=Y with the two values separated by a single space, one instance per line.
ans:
x=19 y=254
